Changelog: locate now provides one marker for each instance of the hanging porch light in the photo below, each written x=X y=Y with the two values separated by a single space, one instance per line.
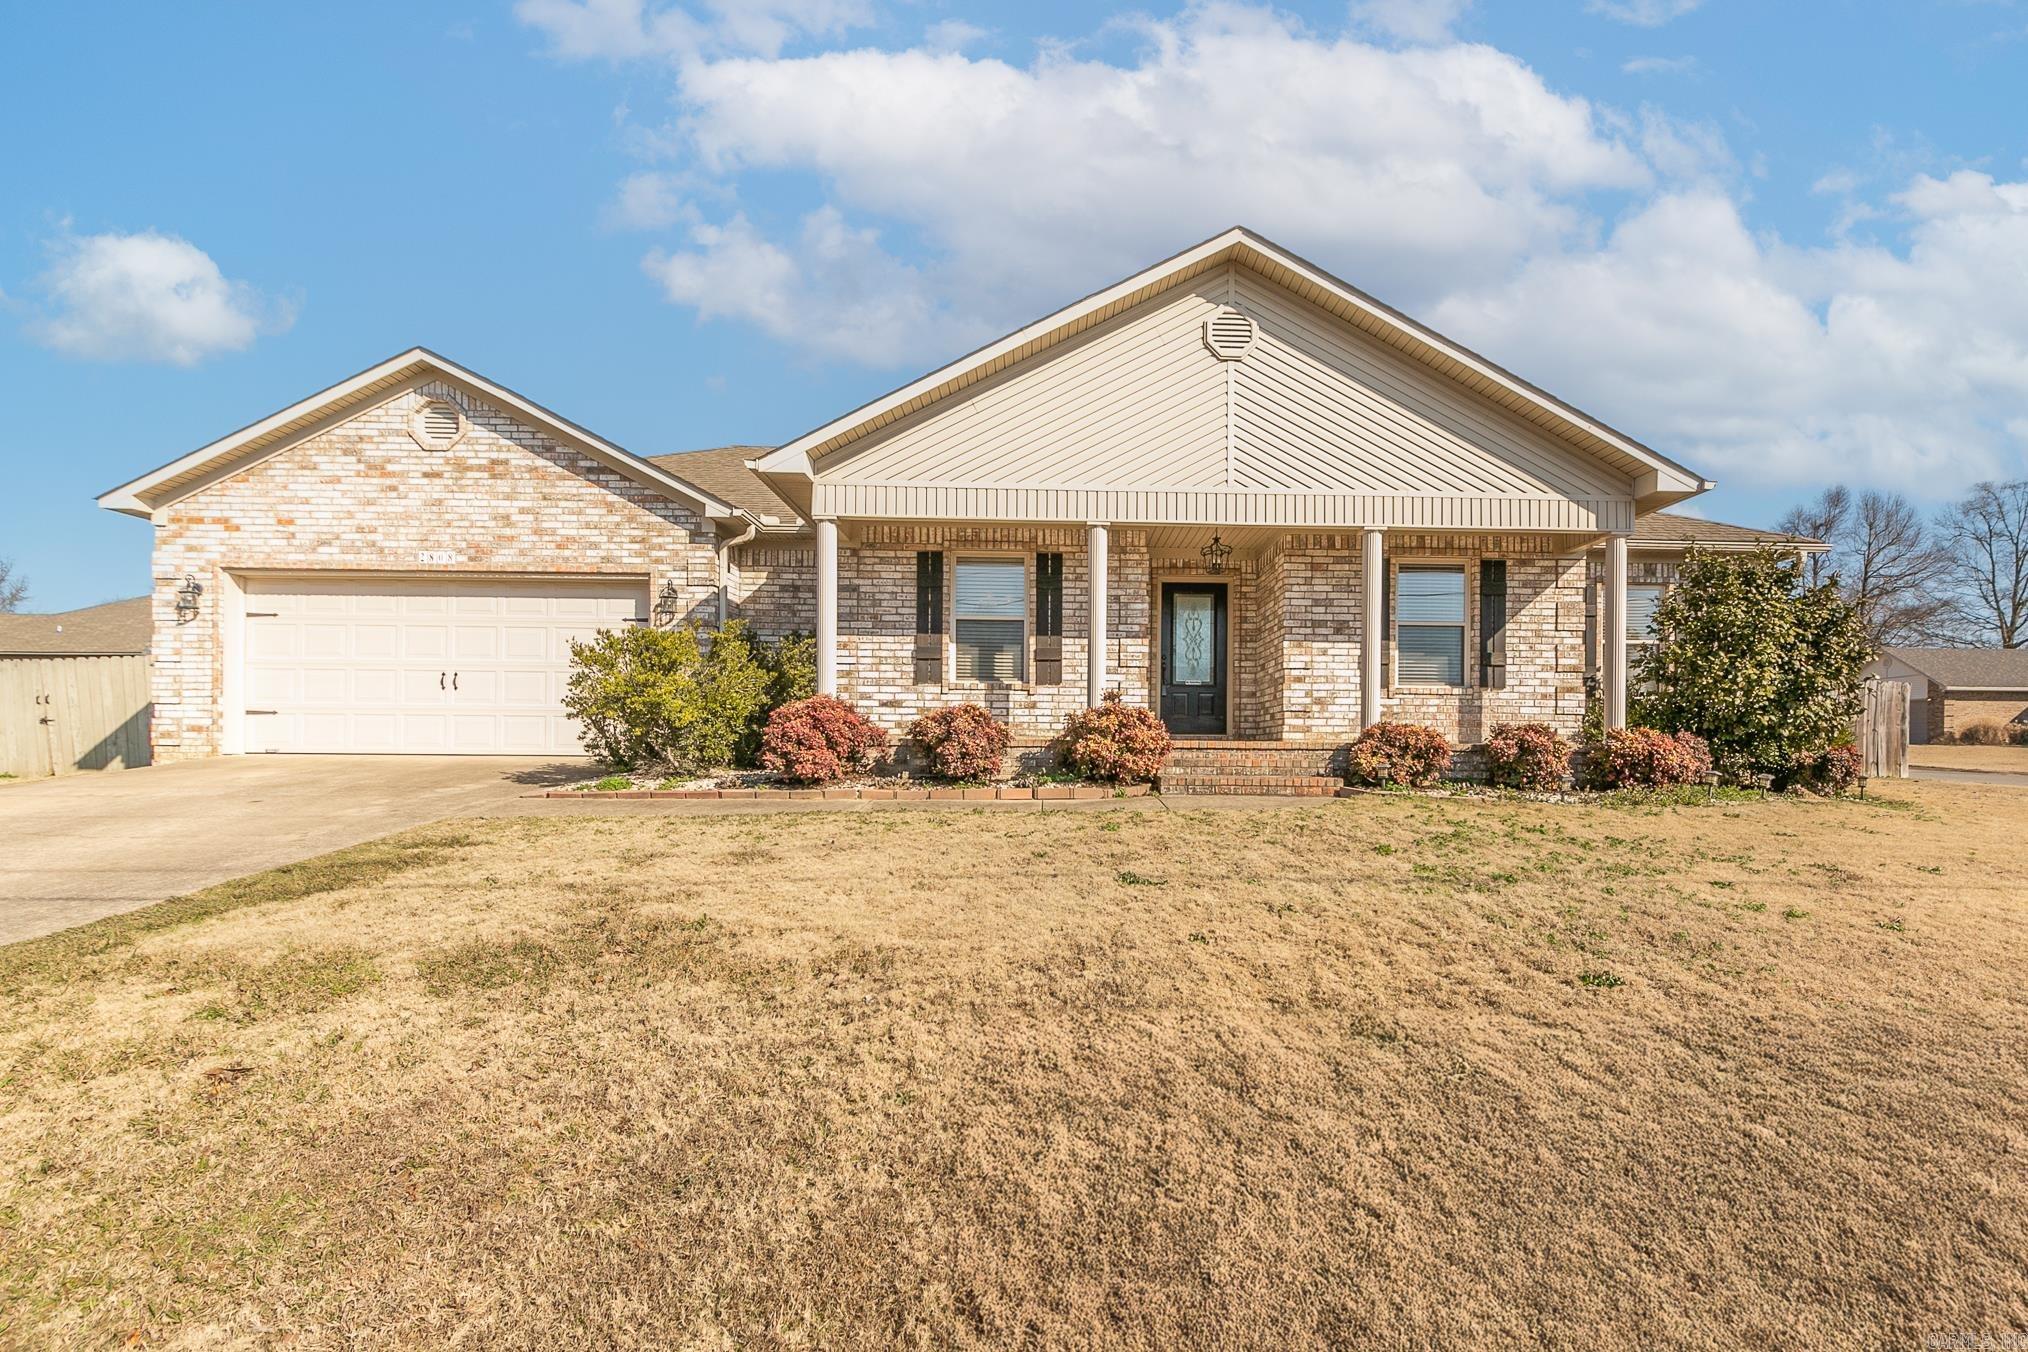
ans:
x=1215 y=554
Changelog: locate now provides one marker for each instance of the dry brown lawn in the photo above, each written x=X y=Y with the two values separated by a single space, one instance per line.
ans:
x=1387 y=1072
x=2012 y=759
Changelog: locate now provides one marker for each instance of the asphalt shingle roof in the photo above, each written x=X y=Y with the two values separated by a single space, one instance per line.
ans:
x=115 y=627
x=722 y=472
x=1969 y=668
x=1673 y=528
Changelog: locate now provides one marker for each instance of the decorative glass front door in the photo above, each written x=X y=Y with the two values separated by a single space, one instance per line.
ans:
x=1193 y=657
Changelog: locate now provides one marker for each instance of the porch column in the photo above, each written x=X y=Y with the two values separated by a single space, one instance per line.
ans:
x=827 y=606
x=1372 y=586
x=1095 y=642
x=1615 y=621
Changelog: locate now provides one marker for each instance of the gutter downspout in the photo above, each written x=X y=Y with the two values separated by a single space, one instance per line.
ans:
x=725 y=549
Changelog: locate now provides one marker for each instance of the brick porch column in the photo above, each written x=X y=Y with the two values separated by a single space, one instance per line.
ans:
x=827 y=606
x=1615 y=622
x=1372 y=586
x=1095 y=642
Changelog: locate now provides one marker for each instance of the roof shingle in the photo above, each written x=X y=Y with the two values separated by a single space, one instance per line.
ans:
x=1675 y=529
x=722 y=472
x=112 y=628
x=1969 y=668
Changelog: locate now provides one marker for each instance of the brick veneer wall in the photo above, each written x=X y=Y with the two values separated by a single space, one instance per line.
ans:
x=365 y=495
x=1950 y=713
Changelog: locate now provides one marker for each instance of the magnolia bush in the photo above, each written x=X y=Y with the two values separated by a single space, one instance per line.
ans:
x=1117 y=742
x=1531 y=756
x=1399 y=753
x=961 y=742
x=1751 y=658
x=1646 y=758
x=678 y=698
x=818 y=740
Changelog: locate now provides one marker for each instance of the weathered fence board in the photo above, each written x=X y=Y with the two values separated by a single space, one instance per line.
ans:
x=1883 y=729
x=59 y=714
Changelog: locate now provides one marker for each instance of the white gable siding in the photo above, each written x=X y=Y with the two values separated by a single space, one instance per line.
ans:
x=1137 y=421
x=1137 y=401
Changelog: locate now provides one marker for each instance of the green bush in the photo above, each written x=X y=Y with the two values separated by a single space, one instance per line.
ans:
x=678 y=698
x=1751 y=658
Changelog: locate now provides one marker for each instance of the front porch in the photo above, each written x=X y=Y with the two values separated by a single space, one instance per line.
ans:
x=1239 y=637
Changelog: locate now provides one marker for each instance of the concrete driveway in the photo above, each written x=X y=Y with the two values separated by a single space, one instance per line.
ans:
x=78 y=847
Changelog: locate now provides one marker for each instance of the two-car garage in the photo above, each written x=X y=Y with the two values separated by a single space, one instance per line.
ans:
x=418 y=665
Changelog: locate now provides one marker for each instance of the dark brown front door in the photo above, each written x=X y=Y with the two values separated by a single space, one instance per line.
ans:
x=1193 y=657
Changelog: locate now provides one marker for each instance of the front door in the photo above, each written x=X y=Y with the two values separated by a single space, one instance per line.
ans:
x=1193 y=657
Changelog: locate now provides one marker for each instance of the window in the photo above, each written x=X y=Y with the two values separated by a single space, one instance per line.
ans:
x=1429 y=635
x=1641 y=603
x=990 y=609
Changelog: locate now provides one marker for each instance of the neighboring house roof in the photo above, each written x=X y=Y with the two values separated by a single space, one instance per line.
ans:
x=256 y=441
x=723 y=471
x=1659 y=480
x=1672 y=530
x=1969 y=668
x=117 y=627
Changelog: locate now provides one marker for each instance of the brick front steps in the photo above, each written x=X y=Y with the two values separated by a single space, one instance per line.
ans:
x=989 y=793
x=1226 y=765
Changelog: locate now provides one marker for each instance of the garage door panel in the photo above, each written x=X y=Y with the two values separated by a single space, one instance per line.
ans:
x=361 y=664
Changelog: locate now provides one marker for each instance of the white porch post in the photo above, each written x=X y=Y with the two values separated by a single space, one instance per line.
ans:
x=1615 y=621
x=827 y=606
x=1372 y=585
x=1095 y=642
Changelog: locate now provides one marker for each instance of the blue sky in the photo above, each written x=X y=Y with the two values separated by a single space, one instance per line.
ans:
x=1783 y=242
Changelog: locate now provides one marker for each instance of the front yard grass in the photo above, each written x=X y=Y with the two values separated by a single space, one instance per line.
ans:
x=1385 y=1071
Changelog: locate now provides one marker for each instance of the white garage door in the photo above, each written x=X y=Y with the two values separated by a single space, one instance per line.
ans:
x=422 y=666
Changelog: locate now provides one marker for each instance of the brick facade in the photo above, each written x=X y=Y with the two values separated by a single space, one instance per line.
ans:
x=1949 y=712
x=364 y=495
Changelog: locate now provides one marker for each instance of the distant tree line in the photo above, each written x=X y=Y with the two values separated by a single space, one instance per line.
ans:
x=1957 y=579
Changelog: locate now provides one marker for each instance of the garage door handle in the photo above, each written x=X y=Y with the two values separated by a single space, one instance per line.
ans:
x=440 y=680
x=454 y=680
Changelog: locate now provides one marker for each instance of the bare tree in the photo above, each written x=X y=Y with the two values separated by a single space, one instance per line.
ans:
x=1825 y=519
x=1986 y=535
x=13 y=590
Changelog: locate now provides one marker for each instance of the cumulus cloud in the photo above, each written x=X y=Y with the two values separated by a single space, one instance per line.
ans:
x=146 y=297
x=648 y=201
x=1660 y=65
x=1643 y=13
x=1411 y=20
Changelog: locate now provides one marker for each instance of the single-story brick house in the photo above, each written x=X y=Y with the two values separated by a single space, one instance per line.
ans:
x=1951 y=687
x=1231 y=469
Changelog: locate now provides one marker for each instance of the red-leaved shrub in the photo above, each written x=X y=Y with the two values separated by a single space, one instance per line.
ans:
x=1399 y=753
x=1530 y=756
x=961 y=742
x=1119 y=742
x=1833 y=771
x=1643 y=758
x=817 y=740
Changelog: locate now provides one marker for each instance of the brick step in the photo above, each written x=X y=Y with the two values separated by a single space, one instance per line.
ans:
x=1314 y=761
x=1253 y=782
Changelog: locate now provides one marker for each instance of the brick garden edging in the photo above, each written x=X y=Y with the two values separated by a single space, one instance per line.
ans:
x=988 y=793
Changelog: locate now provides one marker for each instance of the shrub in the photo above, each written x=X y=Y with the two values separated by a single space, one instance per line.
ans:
x=1763 y=666
x=681 y=697
x=1835 y=771
x=1530 y=756
x=817 y=740
x=2018 y=733
x=1643 y=758
x=1399 y=753
x=1985 y=732
x=961 y=742
x=1119 y=742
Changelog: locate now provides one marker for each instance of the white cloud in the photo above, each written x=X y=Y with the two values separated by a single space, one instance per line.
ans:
x=1763 y=362
x=1643 y=13
x=1660 y=65
x=954 y=35
x=146 y=297
x=634 y=30
x=648 y=201
x=1411 y=20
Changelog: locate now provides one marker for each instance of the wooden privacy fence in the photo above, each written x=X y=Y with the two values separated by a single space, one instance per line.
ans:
x=1883 y=729
x=59 y=714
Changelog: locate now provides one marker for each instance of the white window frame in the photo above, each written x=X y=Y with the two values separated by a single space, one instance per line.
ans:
x=1462 y=567
x=1023 y=658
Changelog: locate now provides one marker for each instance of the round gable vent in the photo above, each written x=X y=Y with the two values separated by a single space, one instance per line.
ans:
x=1230 y=334
x=437 y=424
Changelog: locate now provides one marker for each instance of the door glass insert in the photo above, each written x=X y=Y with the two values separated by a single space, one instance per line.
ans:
x=1192 y=655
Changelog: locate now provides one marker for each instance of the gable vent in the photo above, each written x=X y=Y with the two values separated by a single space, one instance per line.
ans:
x=437 y=424
x=1230 y=335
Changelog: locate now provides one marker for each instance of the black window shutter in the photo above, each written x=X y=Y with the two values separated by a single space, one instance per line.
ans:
x=1386 y=624
x=1049 y=619
x=1493 y=623
x=929 y=617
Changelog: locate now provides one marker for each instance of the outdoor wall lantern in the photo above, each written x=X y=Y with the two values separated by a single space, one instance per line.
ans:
x=186 y=598
x=1215 y=554
x=668 y=603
